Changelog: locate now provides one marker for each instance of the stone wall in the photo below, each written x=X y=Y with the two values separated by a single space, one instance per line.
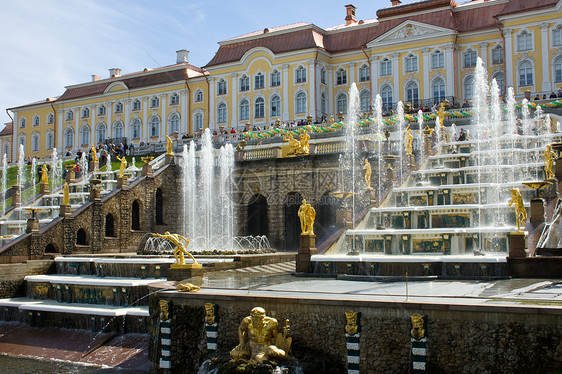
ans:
x=12 y=276
x=460 y=339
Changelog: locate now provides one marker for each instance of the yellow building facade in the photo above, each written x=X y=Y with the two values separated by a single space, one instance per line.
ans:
x=419 y=53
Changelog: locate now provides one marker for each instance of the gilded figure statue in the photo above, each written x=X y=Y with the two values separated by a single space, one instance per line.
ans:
x=94 y=154
x=180 y=250
x=257 y=335
x=409 y=142
x=549 y=157
x=441 y=113
x=428 y=131
x=169 y=146
x=368 y=172
x=307 y=215
x=283 y=340
x=209 y=313
x=44 y=174
x=351 y=325
x=298 y=147
x=520 y=211
x=187 y=287
x=123 y=165
x=304 y=148
x=417 y=331
x=164 y=315
x=65 y=194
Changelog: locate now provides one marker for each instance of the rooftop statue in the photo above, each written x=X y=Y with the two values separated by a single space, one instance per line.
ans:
x=257 y=335
x=307 y=214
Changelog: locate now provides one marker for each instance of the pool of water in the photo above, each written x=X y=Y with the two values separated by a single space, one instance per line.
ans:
x=16 y=365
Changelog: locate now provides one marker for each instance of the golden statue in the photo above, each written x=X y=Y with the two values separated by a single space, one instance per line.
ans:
x=164 y=315
x=187 y=287
x=549 y=158
x=283 y=340
x=417 y=331
x=94 y=154
x=169 y=146
x=351 y=325
x=298 y=147
x=209 y=313
x=123 y=165
x=307 y=214
x=241 y=145
x=428 y=131
x=65 y=194
x=293 y=143
x=520 y=211
x=147 y=159
x=441 y=113
x=409 y=142
x=304 y=148
x=257 y=335
x=181 y=244
x=368 y=172
x=44 y=174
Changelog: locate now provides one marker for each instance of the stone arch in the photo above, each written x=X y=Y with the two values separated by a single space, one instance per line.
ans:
x=135 y=215
x=159 y=207
x=327 y=207
x=51 y=248
x=81 y=237
x=292 y=223
x=257 y=216
x=109 y=226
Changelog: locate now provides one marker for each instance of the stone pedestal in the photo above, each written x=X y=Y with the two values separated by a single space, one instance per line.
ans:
x=558 y=169
x=65 y=211
x=412 y=162
x=146 y=170
x=16 y=198
x=122 y=182
x=537 y=210
x=32 y=225
x=178 y=272
x=169 y=159
x=93 y=166
x=70 y=177
x=517 y=244
x=44 y=189
x=307 y=249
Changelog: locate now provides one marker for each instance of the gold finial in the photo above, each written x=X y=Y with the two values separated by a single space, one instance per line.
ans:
x=520 y=211
x=209 y=313
x=307 y=214
x=417 y=331
x=351 y=325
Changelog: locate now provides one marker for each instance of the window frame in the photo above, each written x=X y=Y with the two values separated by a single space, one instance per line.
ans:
x=102 y=110
x=154 y=102
x=524 y=37
x=385 y=67
x=222 y=113
x=497 y=55
x=85 y=135
x=364 y=73
x=137 y=105
x=529 y=74
x=174 y=99
x=341 y=76
x=136 y=122
x=221 y=87
x=275 y=78
x=441 y=87
x=411 y=63
x=437 y=59
x=365 y=101
x=259 y=81
x=469 y=58
x=301 y=102
x=300 y=74
x=275 y=112
x=101 y=129
x=154 y=125
x=244 y=83
x=174 y=120
x=341 y=103
x=387 y=96
x=244 y=109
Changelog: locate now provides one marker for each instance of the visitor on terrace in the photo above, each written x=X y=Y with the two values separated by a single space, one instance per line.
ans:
x=552 y=95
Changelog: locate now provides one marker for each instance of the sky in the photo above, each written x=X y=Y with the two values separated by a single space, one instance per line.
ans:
x=49 y=44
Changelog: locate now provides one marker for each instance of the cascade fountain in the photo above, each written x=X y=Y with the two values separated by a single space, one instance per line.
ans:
x=33 y=173
x=20 y=180
x=378 y=136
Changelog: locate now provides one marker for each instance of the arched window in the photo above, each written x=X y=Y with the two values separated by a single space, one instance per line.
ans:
x=221 y=87
x=275 y=78
x=154 y=102
x=244 y=110
x=198 y=121
x=557 y=36
x=22 y=140
x=244 y=83
x=6 y=149
x=525 y=73
x=386 y=67
x=69 y=115
x=323 y=75
x=159 y=207
x=137 y=105
x=173 y=123
x=365 y=98
x=259 y=81
x=341 y=103
x=118 y=130
x=198 y=96
x=364 y=73
x=386 y=96
x=22 y=122
x=341 y=76
x=101 y=110
x=497 y=55
x=257 y=216
x=119 y=107
x=135 y=216
x=323 y=103
x=109 y=226
x=524 y=41
x=68 y=137
x=275 y=106
x=101 y=133
x=438 y=89
x=412 y=93
x=174 y=99
x=469 y=58
x=300 y=75
x=50 y=119
x=437 y=60
x=558 y=69
x=36 y=120
x=411 y=63
x=81 y=238
x=259 y=108
x=35 y=142
x=85 y=113
x=221 y=113
x=136 y=128
x=154 y=123
x=300 y=102
x=85 y=135
x=500 y=80
x=469 y=88
x=50 y=140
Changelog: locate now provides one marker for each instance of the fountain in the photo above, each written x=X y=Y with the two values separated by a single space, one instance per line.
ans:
x=4 y=180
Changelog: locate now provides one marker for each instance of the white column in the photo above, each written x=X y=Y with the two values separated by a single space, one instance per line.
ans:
x=311 y=90
x=184 y=111
x=285 y=92
x=546 y=84
x=211 y=102
x=234 y=96
x=450 y=69
x=60 y=133
x=352 y=73
x=127 y=108
x=396 y=77
x=508 y=33
x=330 y=77
x=317 y=86
x=77 y=115
x=374 y=77
x=146 y=128
x=426 y=83
x=15 y=144
x=165 y=130
x=93 y=114
x=108 y=134
x=484 y=54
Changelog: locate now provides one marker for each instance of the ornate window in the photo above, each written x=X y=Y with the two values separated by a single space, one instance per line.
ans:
x=136 y=128
x=411 y=63
x=386 y=96
x=275 y=78
x=558 y=69
x=557 y=36
x=50 y=119
x=101 y=110
x=244 y=110
x=364 y=73
x=173 y=123
x=198 y=121
x=119 y=107
x=118 y=130
x=68 y=137
x=341 y=103
x=386 y=67
x=101 y=133
x=22 y=122
x=469 y=58
x=437 y=60
x=341 y=76
x=525 y=73
x=36 y=120
x=259 y=108
x=365 y=99
x=259 y=81
x=154 y=124
x=221 y=87
x=85 y=113
x=497 y=55
x=412 y=93
x=244 y=83
x=85 y=135
x=137 y=105
x=500 y=80
x=438 y=88
x=221 y=113
x=22 y=140
x=174 y=99
x=50 y=140
x=300 y=103
x=323 y=75
x=35 y=142
x=198 y=96
x=154 y=102
x=469 y=87
x=300 y=74
x=69 y=115
x=524 y=41
x=275 y=106
x=323 y=103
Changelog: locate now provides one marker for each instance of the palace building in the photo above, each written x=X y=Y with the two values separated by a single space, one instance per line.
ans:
x=420 y=52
